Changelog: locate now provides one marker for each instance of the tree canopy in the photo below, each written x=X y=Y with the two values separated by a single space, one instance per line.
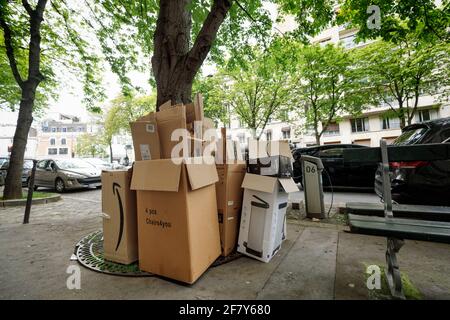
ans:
x=328 y=86
x=399 y=74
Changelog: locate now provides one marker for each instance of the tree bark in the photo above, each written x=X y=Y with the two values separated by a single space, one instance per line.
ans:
x=174 y=64
x=13 y=182
x=110 y=153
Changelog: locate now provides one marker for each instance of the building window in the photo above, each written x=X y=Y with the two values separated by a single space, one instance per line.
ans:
x=241 y=138
x=360 y=124
x=332 y=129
x=269 y=135
x=52 y=151
x=63 y=141
x=64 y=129
x=53 y=129
x=324 y=42
x=70 y=129
x=390 y=123
x=349 y=42
x=286 y=132
x=52 y=141
x=80 y=129
x=63 y=151
x=425 y=115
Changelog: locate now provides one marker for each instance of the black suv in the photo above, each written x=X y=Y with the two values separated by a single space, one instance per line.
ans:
x=420 y=182
x=359 y=175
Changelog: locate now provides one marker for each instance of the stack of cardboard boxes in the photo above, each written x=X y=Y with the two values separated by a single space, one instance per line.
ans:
x=177 y=210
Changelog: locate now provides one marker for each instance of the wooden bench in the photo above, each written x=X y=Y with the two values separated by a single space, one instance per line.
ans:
x=412 y=229
x=420 y=212
x=391 y=226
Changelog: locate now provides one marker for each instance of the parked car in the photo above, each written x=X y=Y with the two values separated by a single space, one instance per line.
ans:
x=420 y=182
x=27 y=166
x=359 y=175
x=2 y=178
x=66 y=174
x=104 y=165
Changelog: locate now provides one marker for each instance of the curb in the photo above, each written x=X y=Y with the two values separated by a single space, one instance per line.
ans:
x=22 y=202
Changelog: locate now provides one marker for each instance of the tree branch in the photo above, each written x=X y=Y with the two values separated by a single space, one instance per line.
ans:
x=10 y=49
x=27 y=7
x=207 y=35
x=34 y=57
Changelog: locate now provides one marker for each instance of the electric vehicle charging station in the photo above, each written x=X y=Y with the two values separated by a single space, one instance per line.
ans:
x=312 y=168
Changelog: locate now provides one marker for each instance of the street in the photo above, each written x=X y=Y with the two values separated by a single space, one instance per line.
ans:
x=317 y=261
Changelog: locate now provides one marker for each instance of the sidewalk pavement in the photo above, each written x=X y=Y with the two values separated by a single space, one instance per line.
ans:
x=317 y=261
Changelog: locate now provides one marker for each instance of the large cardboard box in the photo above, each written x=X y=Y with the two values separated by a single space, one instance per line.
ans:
x=144 y=132
x=168 y=121
x=120 y=242
x=177 y=217
x=264 y=207
x=229 y=203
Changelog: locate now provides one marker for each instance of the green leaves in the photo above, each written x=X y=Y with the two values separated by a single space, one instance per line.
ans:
x=400 y=73
x=328 y=85
x=66 y=49
x=122 y=111
x=398 y=19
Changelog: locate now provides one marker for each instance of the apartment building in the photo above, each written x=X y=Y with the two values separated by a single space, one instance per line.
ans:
x=8 y=122
x=57 y=135
x=366 y=129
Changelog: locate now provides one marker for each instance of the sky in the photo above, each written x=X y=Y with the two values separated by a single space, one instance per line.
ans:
x=69 y=101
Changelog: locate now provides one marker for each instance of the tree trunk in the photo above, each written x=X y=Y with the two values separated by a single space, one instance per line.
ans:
x=174 y=64
x=110 y=153
x=317 y=139
x=13 y=182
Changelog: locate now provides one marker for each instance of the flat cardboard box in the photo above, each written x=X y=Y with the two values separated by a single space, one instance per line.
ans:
x=168 y=121
x=263 y=214
x=177 y=217
x=120 y=241
x=145 y=136
x=270 y=158
x=229 y=203
x=227 y=150
x=165 y=105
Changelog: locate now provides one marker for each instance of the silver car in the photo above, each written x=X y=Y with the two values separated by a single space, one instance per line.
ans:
x=66 y=174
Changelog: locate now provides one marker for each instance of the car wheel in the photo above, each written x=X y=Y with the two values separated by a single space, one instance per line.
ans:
x=59 y=185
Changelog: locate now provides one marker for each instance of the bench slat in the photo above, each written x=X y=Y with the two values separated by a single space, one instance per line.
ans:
x=401 y=228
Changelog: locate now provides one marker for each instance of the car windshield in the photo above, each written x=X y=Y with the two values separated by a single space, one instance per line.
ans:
x=28 y=164
x=73 y=164
x=411 y=136
x=96 y=161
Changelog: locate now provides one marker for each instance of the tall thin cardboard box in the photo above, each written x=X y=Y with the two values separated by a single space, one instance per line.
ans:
x=177 y=217
x=119 y=217
x=229 y=203
x=168 y=121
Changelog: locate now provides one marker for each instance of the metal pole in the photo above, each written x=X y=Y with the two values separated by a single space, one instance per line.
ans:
x=30 y=194
x=387 y=196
